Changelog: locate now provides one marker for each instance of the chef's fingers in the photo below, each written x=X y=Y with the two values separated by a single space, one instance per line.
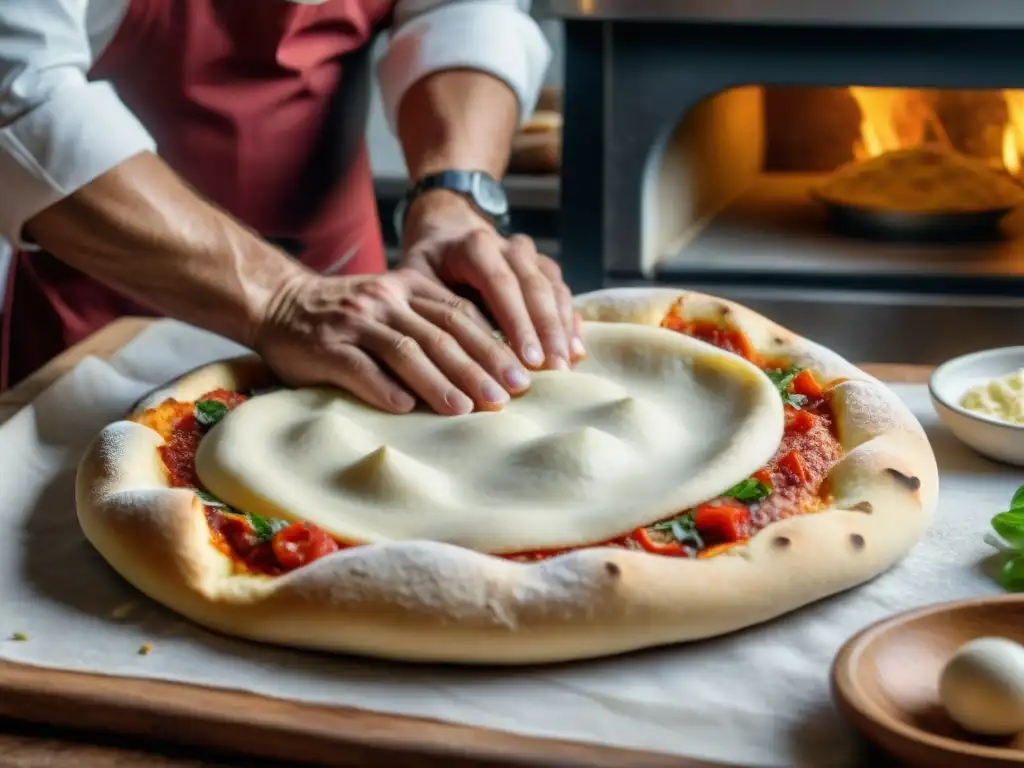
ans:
x=563 y=296
x=434 y=290
x=478 y=261
x=408 y=360
x=483 y=345
x=541 y=301
x=351 y=369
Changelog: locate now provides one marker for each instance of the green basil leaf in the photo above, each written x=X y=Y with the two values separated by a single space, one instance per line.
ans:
x=782 y=379
x=684 y=535
x=749 y=490
x=682 y=529
x=1017 y=502
x=1010 y=525
x=1012 y=574
x=261 y=527
x=209 y=412
x=789 y=398
x=685 y=520
x=265 y=528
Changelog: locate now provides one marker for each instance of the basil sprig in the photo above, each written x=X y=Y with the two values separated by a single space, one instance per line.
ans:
x=1009 y=539
x=209 y=412
x=782 y=378
x=749 y=491
x=682 y=529
x=263 y=528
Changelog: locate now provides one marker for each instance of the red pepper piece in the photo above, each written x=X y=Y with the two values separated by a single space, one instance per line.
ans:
x=671 y=548
x=799 y=421
x=722 y=522
x=792 y=465
x=805 y=384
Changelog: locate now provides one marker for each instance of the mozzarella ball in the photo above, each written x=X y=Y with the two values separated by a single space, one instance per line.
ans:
x=982 y=686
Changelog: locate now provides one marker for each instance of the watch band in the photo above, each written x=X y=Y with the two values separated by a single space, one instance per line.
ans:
x=467 y=183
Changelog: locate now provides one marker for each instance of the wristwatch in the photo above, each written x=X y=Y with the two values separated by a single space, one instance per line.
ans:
x=480 y=188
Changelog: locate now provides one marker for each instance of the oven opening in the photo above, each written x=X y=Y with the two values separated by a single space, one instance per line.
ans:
x=840 y=188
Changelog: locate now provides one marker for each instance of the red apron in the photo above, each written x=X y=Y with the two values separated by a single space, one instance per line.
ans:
x=247 y=102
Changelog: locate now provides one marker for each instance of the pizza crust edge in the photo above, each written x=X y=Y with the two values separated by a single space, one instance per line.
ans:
x=429 y=601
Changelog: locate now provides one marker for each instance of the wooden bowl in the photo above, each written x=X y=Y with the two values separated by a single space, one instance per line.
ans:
x=885 y=680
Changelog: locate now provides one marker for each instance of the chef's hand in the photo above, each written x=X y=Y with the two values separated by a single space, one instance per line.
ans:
x=387 y=338
x=447 y=240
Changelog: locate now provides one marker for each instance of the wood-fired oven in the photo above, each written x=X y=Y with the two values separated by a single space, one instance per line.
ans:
x=695 y=130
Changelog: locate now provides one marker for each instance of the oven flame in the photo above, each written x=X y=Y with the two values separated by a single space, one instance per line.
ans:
x=1013 y=131
x=894 y=118
x=900 y=118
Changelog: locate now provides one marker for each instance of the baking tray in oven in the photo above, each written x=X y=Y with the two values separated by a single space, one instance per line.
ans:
x=945 y=226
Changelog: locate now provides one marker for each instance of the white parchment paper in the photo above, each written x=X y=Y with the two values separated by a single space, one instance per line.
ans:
x=759 y=697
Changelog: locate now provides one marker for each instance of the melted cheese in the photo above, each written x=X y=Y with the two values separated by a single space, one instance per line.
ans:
x=650 y=423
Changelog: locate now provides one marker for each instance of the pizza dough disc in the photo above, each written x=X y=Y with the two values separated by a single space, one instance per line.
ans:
x=649 y=423
x=421 y=600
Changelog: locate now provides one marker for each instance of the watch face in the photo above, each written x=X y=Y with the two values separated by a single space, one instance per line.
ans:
x=490 y=196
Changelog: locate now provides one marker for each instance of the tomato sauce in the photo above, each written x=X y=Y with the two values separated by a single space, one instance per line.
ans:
x=795 y=474
x=270 y=548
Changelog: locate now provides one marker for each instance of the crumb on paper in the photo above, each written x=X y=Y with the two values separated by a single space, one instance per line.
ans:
x=122 y=611
x=145 y=649
x=19 y=637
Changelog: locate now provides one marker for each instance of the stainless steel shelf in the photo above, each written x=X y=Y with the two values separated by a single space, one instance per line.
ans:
x=980 y=14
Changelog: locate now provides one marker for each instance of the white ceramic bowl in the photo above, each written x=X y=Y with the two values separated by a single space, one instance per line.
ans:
x=951 y=380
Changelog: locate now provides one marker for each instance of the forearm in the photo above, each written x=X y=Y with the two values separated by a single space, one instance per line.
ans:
x=140 y=229
x=457 y=118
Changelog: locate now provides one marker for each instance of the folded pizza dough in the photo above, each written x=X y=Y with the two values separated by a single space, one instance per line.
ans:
x=651 y=422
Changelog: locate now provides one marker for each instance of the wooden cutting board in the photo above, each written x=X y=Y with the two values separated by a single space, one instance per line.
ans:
x=243 y=723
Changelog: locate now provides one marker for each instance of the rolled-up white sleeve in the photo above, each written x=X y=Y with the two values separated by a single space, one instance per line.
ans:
x=58 y=131
x=494 y=36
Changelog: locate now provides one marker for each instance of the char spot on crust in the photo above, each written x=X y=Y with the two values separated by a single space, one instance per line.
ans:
x=861 y=506
x=612 y=569
x=778 y=340
x=781 y=542
x=910 y=482
x=857 y=541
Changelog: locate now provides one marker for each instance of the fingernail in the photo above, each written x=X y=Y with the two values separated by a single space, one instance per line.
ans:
x=577 y=348
x=493 y=393
x=532 y=354
x=458 y=401
x=516 y=377
x=402 y=401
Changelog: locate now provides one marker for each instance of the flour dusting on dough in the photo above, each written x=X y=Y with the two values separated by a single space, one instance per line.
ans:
x=463 y=586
